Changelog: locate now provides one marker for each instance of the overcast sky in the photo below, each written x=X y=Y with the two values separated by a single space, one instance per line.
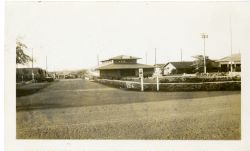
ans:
x=72 y=34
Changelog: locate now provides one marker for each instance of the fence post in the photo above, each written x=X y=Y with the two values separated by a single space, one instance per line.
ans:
x=141 y=76
x=157 y=82
x=142 y=84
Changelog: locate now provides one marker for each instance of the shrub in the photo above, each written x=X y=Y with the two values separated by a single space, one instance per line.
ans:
x=215 y=86
x=198 y=79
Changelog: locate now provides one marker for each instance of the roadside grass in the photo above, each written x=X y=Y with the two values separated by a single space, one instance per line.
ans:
x=28 y=89
x=181 y=129
x=118 y=114
x=162 y=120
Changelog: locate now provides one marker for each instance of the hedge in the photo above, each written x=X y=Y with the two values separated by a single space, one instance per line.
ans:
x=198 y=79
x=202 y=86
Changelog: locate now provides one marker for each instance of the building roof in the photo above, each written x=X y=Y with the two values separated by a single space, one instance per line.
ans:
x=182 y=64
x=124 y=66
x=235 y=57
x=121 y=57
x=159 y=65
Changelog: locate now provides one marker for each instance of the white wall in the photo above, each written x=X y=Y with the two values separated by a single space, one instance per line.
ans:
x=168 y=69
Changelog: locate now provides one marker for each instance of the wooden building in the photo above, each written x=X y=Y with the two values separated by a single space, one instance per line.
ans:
x=123 y=66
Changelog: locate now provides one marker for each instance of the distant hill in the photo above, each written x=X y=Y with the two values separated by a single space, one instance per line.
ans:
x=77 y=72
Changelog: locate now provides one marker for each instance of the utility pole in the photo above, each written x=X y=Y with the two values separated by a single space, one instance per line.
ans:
x=54 y=72
x=98 y=60
x=46 y=67
x=181 y=54
x=204 y=36
x=231 y=44
x=146 y=56
x=32 y=60
x=155 y=56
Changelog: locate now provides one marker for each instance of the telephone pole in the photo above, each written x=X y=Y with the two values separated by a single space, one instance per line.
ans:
x=98 y=60
x=32 y=60
x=155 y=56
x=46 y=67
x=181 y=54
x=204 y=36
x=231 y=44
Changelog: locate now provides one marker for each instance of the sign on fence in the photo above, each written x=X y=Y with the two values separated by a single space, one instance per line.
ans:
x=140 y=72
x=141 y=76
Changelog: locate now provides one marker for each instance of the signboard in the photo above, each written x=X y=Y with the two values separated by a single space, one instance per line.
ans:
x=140 y=72
x=157 y=71
x=141 y=76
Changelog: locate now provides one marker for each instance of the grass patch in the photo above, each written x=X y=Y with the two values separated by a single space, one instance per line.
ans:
x=28 y=89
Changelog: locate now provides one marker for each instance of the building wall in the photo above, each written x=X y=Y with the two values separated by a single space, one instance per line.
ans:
x=168 y=69
x=171 y=69
x=227 y=67
x=126 y=61
x=104 y=63
x=110 y=74
x=120 y=73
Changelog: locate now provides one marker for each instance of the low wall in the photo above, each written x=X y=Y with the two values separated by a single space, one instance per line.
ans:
x=202 y=86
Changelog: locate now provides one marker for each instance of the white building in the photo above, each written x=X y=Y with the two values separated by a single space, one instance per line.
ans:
x=178 y=67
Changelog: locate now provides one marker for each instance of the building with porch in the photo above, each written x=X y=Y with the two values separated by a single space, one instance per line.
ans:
x=225 y=63
x=123 y=66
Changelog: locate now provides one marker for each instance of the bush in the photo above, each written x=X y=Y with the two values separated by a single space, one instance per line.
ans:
x=215 y=86
x=49 y=79
x=198 y=79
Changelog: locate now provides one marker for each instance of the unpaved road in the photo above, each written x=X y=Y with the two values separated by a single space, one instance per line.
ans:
x=79 y=109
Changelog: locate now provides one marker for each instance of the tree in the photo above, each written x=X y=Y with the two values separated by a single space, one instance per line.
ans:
x=211 y=65
x=21 y=57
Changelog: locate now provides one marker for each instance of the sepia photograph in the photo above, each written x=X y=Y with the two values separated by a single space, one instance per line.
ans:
x=123 y=70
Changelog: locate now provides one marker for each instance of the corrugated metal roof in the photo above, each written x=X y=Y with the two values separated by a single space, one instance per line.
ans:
x=124 y=66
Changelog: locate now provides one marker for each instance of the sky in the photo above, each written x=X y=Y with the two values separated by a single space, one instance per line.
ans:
x=72 y=34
